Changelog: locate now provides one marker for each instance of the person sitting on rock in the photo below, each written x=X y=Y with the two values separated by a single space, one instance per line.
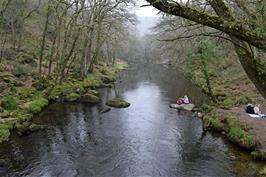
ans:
x=184 y=100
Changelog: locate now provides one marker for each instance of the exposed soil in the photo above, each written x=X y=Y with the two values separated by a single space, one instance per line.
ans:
x=255 y=126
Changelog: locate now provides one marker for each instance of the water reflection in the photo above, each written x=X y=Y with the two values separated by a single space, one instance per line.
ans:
x=146 y=139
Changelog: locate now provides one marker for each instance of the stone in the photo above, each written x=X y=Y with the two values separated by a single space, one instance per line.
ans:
x=93 y=92
x=105 y=110
x=118 y=103
x=89 y=98
x=199 y=115
x=187 y=107
x=4 y=114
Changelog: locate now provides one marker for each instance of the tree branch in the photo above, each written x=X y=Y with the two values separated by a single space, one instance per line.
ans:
x=230 y=27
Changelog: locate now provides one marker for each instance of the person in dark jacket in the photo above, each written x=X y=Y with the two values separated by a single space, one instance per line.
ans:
x=250 y=109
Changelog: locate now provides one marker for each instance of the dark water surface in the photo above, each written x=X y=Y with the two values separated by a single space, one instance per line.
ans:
x=146 y=139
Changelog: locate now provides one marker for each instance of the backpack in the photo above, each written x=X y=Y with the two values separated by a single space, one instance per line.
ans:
x=250 y=109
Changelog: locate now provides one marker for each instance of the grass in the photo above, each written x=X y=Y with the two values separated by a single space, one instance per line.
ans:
x=238 y=134
x=234 y=101
x=212 y=121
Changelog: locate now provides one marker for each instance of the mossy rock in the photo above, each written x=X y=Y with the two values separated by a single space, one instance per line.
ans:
x=259 y=155
x=6 y=79
x=5 y=130
x=92 y=81
x=94 y=92
x=263 y=172
x=212 y=122
x=28 y=93
x=89 y=98
x=1 y=109
x=118 y=103
x=5 y=114
x=18 y=83
x=105 y=110
x=9 y=102
x=40 y=85
x=72 y=97
x=35 y=127
x=26 y=128
x=22 y=115
x=108 y=79
x=35 y=106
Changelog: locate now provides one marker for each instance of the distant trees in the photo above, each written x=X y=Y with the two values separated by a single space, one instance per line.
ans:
x=65 y=35
x=242 y=21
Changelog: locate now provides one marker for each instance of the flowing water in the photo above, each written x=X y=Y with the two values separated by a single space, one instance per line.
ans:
x=146 y=139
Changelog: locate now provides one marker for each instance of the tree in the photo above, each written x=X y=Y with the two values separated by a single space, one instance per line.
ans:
x=200 y=65
x=231 y=17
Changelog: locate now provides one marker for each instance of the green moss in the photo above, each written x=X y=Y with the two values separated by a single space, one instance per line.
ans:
x=52 y=92
x=206 y=108
x=9 y=102
x=5 y=130
x=93 y=92
x=213 y=122
x=227 y=103
x=92 y=81
x=72 y=97
x=22 y=115
x=230 y=102
x=36 y=106
x=27 y=93
x=263 y=172
x=118 y=103
x=259 y=155
x=89 y=98
x=238 y=134
x=121 y=65
x=22 y=128
x=35 y=127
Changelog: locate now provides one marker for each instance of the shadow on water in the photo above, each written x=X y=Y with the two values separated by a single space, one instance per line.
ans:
x=146 y=139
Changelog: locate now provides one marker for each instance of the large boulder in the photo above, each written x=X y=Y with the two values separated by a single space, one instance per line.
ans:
x=187 y=107
x=118 y=103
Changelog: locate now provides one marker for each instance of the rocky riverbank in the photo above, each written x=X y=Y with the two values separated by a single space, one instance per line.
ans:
x=20 y=104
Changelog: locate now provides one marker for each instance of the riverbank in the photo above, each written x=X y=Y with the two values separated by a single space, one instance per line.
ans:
x=233 y=90
x=20 y=103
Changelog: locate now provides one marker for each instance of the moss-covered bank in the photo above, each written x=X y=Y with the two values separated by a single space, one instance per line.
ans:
x=233 y=129
x=19 y=105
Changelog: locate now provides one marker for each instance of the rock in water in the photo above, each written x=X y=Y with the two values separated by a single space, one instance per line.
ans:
x=118 y=103
x=187 y=107
x=89 y=98
x=105 y=110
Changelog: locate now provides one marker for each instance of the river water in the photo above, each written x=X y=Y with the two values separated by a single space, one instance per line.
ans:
x=146 y=139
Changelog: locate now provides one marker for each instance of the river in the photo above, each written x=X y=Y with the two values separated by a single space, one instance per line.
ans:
x=146 y=139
